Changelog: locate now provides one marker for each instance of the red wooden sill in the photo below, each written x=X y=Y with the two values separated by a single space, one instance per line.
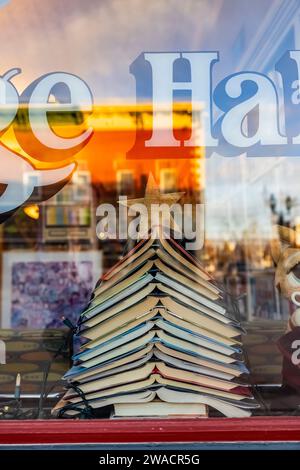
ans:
x=257 y=429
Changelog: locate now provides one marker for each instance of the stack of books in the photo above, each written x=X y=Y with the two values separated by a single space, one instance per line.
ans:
x=160 y=339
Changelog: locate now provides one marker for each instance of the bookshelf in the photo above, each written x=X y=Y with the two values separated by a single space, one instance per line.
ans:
x=69 y=214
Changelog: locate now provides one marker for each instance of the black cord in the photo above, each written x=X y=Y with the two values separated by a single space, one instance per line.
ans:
x=84 y=413
x=44 y=394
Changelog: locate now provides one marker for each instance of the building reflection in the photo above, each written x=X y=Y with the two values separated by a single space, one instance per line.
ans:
x=242 y=201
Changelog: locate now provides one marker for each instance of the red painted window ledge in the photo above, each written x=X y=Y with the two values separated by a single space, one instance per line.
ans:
x=256 y=429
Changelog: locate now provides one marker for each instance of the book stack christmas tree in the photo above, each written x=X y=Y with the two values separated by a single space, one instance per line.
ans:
x=160 y=340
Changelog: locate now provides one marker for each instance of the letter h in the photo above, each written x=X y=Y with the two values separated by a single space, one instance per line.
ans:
x=154 y=73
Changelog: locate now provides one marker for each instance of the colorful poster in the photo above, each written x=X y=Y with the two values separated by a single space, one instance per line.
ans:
x=39 y=289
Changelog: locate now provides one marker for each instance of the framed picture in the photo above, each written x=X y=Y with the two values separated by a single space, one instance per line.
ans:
x=39 y=288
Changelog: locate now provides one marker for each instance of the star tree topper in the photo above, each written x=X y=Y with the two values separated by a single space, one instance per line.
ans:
x=155 y=208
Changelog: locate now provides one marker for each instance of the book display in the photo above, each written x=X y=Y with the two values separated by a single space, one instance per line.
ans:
x=161 y=338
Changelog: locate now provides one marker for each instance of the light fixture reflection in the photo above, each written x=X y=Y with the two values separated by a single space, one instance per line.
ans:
x=32 y=211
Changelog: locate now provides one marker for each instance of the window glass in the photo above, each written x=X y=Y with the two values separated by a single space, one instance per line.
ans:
x=109 y=109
